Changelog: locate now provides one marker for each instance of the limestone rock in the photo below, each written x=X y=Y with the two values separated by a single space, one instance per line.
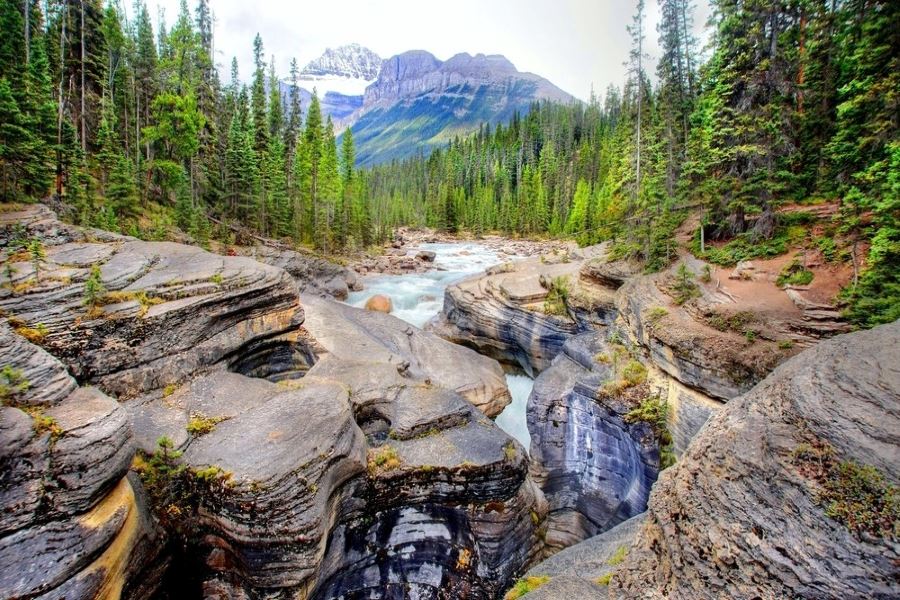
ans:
x=171 y=310
x=354 y=334
x=595 y=469
x=738 y=517
x=72 y=525
x=313 y=274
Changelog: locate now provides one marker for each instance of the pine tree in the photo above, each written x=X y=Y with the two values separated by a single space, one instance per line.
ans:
x=258 y=98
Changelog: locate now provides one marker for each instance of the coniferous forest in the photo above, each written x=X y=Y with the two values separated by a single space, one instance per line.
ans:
x=792 y=102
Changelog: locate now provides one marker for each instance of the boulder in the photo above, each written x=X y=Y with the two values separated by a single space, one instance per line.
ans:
x=426 y=255
x=351 y=333
x=380 y=303
x=743 y=513
x=313 y=274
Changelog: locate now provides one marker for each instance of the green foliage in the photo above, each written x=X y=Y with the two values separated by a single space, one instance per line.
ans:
x=37 y=254
x=525 y=585
x=557 y=295
x=618 y=557
x=654 y=412
x=383 y=459
x=857 y=496
x=200 y=424
x=683 y=287
x=93 y=287
x=794 y=274
x=12 y=383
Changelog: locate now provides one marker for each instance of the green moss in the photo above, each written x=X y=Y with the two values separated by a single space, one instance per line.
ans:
x=526 y=585
x=216 y=279
x=618 y=556
x=604 y=579
x=509 y=450
x=383 y=459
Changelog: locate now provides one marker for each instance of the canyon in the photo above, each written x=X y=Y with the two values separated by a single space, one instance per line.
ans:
x=226 y=427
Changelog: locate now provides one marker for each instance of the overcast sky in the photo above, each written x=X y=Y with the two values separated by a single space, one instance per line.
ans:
x=573 y=43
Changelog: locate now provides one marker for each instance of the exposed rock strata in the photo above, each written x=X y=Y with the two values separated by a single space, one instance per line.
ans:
x=313 y=274
x=354 y=334
x=177 y=309
x=736 y=516
x=594 y=468
x=72 y=524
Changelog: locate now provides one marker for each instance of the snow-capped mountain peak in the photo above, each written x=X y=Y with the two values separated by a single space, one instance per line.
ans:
x=352 y=61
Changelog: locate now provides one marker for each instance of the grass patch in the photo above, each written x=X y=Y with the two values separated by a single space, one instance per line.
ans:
x=216 y=279
x=857 y=496
x=200 y=424
x=656 y=314
x=747 y=246
x=618 y=556
x=383 y=459
x=35 y=334
x=785 y=345
x=655 y=412
x=604 y=579
x=794 y=274
x=43 y=423
x=169 y=390
x=509 y=450
x=526 y=585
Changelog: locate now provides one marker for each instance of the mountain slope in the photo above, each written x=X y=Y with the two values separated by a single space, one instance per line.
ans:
x=419 y=102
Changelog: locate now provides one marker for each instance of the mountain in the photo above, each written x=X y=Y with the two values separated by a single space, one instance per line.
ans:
x=413 y=102
x=419 y=102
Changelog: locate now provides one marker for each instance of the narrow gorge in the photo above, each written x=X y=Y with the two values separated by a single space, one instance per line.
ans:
x=223 y=427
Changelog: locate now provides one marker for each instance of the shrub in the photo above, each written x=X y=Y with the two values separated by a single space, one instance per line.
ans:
x=655 y=314
x=794 y=274
x=44 y=423
x=93 y=287
x=634 y=373
x=35 y=334
x=12 y=383
x=684 y=287
x=557 y=294
x=655 y=412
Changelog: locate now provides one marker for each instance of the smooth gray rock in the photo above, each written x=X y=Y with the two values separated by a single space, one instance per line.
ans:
x=737 y=517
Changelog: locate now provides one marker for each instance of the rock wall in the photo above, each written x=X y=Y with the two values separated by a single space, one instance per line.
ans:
x=595 y=469
x=73 y=525
x=737 y=516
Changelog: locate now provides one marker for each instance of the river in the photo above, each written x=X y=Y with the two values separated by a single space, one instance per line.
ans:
x=418 y=297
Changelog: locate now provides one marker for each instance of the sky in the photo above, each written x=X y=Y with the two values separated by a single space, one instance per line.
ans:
x=576 y=44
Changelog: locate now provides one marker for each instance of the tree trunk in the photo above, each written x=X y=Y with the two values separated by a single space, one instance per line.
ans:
x=83 y=62
x=27 y=32
x=59 y=102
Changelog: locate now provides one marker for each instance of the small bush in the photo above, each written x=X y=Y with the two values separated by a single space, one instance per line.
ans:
x=525 y=585
x=557 y=294
x=12 y=383
x=383 y=459
x=44 y=423
x=785 y=345
x=794 y=274
x=655 y=412
x=684 y=289
x=634 y=373
x=509 y=450
x=93 y=287
x=216 y=279
x=655 y=314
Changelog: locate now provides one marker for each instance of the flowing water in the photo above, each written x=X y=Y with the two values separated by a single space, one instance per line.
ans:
x=417 y=297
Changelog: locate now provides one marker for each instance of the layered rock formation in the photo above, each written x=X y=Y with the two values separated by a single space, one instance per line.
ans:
x=353 y=334
x=296 y=449
x=742 y=515
x=168 y=310
x=73 y=525
x=501 y=314
x=594 y=468
x=313 y=274
x=748 y=511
